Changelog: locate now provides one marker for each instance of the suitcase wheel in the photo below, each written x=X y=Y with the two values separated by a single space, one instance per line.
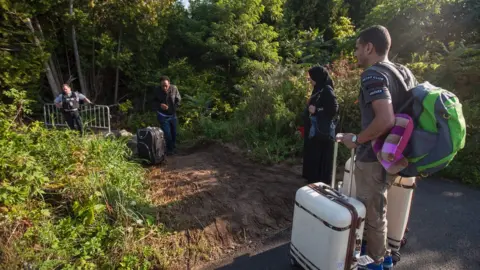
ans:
x=395 y=257
x=293 y=262
x=403 y=242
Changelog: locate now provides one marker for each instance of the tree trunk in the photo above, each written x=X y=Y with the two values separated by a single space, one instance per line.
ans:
x=117 y=75
x=83 y=86
x=54 y=87
x=144 y=100
x=51 y=63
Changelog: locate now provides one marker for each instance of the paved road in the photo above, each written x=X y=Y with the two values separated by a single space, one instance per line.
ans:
x=444 y=233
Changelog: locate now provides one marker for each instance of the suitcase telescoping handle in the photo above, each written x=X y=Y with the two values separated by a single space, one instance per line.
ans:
x=352 y=167
x=352 y=163
x=334 y=170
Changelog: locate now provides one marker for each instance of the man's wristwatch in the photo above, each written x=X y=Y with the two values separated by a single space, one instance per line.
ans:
x=354 y=140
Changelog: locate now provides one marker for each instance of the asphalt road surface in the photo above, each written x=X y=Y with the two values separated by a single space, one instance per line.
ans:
x=444 y=234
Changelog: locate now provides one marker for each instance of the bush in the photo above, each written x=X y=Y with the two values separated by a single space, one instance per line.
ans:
x=68 y=202
x=460 y=72
x=266 y=121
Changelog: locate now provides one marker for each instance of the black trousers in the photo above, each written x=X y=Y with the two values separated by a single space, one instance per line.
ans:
x=318 y=160
x=74 y=120
x=317 y=157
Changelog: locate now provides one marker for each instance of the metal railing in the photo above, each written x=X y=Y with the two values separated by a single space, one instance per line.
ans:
x=93 y=116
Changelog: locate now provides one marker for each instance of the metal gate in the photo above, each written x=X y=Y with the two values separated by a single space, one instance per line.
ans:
x=93 y=116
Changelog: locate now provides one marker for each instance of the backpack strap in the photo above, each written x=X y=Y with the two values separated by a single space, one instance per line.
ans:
x=390 y=68
x=385 y=66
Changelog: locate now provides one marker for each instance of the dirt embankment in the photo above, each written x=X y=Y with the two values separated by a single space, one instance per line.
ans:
x=218 y=201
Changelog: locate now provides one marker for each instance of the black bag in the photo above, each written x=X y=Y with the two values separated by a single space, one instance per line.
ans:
x=151 y=145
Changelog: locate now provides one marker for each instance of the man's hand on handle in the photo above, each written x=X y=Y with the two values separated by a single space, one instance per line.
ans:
x=347 y=139
x=164 y=106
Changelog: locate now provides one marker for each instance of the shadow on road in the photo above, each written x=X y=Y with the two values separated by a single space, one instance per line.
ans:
x=275 y=258
x=444 y=233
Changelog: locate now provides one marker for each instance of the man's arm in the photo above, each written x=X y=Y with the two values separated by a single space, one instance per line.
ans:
x=58 y=101
x=83 y=97
x=383 y=121
x=178 y=98
x=376 y=94
x=375 y=91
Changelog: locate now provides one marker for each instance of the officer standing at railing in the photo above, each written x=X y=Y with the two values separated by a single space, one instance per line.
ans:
x=69 y=103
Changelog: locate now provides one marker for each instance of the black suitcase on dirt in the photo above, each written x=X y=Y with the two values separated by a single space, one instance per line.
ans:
x=151 y=145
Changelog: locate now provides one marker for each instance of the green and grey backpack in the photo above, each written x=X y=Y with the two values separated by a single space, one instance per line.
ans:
x=439 y=127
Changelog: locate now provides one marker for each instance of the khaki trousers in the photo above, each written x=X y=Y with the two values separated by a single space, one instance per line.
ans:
x=372 y=184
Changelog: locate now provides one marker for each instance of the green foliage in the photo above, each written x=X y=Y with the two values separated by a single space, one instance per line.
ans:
x=313 y=14
x=21 y=62
x=141 y=120
x=419 y=26
x=125 y=106
x=76 y=196
x=343 y=28
x=240 y=41
x=68 y=202
x=459 y=72
x=359 y=9
x=266 y=120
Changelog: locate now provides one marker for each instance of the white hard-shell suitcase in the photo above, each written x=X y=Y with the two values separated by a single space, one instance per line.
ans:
x=327 y=227
x=398 y=207
x=398 y=211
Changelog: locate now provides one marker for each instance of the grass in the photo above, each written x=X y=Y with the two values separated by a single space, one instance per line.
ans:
x=69 y=202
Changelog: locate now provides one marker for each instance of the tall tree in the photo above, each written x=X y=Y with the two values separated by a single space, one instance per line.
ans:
x=49 y=68
x=24 y=53
x=238 y=41
x=81 y=78
x=310 y=14
x=358 y=9
x=410 y=22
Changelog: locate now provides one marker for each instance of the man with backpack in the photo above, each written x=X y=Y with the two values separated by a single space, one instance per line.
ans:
x=381 y=95
x=69 y=103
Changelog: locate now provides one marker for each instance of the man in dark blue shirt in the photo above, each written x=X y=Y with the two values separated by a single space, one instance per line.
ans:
x=169 y=98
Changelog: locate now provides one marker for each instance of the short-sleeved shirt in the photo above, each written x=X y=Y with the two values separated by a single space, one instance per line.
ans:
x=80 y=96
x=376 y=85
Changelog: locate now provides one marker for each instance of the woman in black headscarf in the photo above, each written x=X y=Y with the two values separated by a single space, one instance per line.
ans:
x=320 y=122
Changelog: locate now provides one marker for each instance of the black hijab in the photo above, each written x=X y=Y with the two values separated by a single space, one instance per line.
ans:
x=321 y=77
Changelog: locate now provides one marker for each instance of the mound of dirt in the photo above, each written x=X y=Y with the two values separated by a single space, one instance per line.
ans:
x=218 y=201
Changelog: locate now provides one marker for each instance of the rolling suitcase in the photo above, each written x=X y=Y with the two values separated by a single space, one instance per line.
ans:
x=327 y=228
x=151 y=145
x=398 y=208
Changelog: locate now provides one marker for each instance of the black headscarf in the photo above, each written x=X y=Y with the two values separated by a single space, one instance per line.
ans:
x=320 y=76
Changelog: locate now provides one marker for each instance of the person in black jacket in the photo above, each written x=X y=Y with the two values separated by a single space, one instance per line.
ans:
x=168 y=98
x=320 y=123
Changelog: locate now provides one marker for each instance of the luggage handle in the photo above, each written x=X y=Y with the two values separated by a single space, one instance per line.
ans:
x=352 y=164
x=352 y=167
x=335 y=192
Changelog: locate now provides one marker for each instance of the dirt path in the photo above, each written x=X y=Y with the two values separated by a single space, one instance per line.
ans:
x=218 y=201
